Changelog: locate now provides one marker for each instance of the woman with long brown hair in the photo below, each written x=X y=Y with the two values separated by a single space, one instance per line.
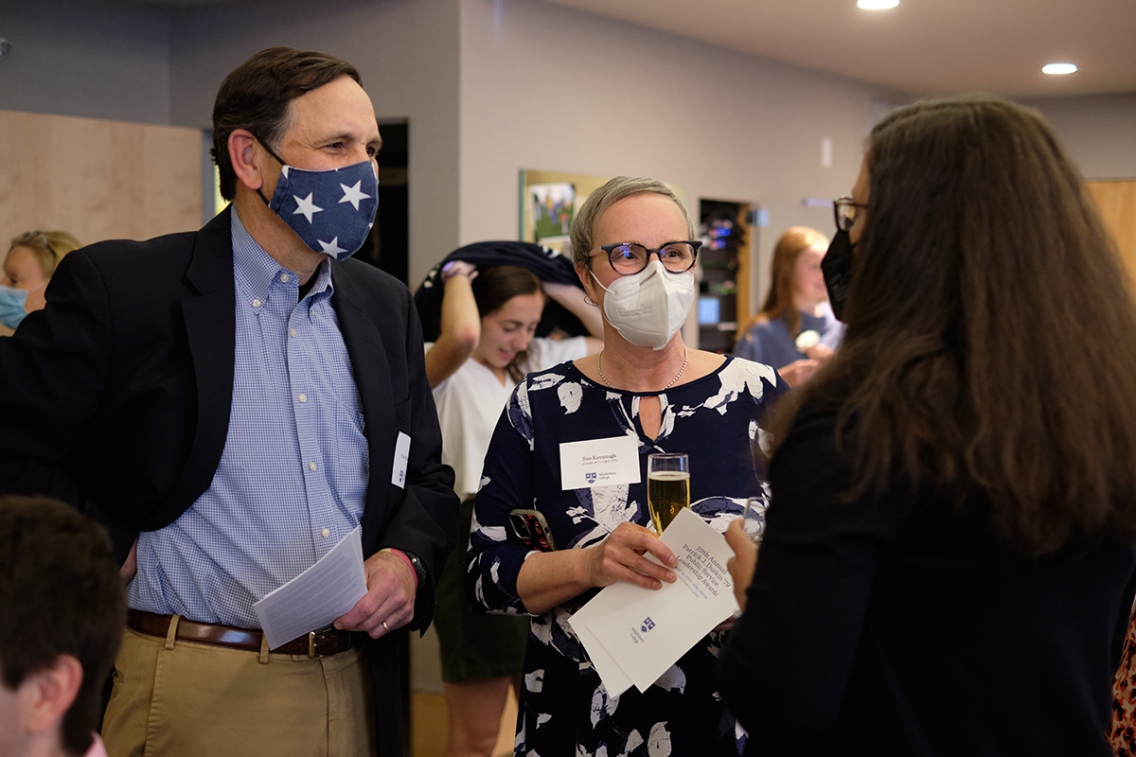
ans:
x=947 y=565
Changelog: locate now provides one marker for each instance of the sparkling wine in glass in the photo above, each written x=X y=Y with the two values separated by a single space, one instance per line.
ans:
x=668 y=486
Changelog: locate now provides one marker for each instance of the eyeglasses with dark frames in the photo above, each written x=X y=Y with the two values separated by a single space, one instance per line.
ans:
x=844 y=209
x=629 y=257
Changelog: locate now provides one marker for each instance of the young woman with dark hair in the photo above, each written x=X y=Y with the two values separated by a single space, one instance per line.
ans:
x=947 y=565
x=486 y=345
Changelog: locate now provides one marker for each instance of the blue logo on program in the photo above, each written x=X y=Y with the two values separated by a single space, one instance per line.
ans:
x=590 y=477
x=648 y=624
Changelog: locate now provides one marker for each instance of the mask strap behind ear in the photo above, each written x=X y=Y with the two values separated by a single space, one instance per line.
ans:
x=601 y=286
x=275 y=157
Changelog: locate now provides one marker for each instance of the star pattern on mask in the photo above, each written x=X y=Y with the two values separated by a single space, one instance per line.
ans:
x=306 y=206
x=337 y=204
x=353 y=194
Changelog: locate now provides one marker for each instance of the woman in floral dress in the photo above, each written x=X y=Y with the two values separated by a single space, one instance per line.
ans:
x=646 y=392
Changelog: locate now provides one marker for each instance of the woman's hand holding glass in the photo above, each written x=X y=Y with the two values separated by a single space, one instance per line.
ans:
x=622 y=556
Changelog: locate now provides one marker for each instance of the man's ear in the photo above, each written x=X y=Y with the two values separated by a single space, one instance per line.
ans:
x=242 y=154
x=46 y=695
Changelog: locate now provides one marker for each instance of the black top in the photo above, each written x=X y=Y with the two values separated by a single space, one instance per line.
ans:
x=900 y=626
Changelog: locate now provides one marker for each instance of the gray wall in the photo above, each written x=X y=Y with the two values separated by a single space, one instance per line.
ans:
x=493 y=86
x=544 y=87
x=1099 y=131
x=406 y=52
x=94 y=58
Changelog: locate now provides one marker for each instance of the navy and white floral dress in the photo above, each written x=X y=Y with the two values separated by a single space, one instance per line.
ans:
x=565 y=709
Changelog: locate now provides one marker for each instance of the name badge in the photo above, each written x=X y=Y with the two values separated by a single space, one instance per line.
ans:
x=401 y=459
x=599 y=462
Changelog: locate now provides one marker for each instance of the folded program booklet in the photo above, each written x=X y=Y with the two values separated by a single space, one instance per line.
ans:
x=634 y=635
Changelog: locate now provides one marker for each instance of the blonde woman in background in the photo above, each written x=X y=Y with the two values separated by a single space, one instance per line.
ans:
x=795 y=332
x=29 y=265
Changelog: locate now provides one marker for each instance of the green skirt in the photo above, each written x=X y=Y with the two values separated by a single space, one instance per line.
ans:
x=474 y=646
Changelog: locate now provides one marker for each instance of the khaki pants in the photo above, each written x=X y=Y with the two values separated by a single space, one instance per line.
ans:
x=175 y=698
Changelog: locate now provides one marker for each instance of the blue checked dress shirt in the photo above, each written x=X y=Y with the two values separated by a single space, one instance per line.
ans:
x=293 y=476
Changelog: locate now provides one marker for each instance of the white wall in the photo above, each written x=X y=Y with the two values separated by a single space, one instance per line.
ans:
x=544 y=87
x=407 y=54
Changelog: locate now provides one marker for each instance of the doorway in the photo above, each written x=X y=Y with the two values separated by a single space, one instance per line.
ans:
x=388 y=245
x=726 y=261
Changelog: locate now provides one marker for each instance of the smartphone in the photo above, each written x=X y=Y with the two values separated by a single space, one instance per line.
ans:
x=532 y=529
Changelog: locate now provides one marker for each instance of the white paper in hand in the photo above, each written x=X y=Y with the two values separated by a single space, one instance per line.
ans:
x=317 y=596
x=646 y=631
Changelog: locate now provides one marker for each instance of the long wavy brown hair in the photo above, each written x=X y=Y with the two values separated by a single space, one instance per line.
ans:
x=991 y=337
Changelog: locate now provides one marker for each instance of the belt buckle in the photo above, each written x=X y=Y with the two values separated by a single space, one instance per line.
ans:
x=312 y=636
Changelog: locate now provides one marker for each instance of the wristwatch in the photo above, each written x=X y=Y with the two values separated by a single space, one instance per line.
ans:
x=418 y=569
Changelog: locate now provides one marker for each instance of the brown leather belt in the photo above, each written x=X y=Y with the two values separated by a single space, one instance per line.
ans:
x=322 y=643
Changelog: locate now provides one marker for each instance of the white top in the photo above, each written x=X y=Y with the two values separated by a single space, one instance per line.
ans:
x=471 y=400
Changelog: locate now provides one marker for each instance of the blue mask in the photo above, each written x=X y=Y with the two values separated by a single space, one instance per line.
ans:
x=332 y=211
x=12 y=303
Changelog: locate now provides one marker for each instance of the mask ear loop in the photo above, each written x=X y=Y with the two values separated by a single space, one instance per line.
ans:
x=598 y=282
x=275 y=157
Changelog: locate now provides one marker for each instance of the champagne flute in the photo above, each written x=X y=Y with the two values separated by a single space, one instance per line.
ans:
x=754 y=519
x=668 y=486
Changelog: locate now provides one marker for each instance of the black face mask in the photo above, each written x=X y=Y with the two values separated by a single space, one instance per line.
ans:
x=837 y=269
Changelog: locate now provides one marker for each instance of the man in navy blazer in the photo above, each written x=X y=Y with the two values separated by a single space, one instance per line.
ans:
x=231 y=403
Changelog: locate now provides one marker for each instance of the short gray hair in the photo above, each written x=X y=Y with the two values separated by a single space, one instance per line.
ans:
x=603 y=198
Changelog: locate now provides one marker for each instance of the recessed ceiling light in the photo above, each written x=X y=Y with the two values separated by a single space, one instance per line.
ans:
x=876 y=5
x=1058 y=68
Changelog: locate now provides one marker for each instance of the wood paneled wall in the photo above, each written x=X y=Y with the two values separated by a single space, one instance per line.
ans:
x=97 y=179
x=1117 y=203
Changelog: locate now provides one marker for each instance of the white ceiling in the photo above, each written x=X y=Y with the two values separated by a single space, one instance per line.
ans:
x=924 y=47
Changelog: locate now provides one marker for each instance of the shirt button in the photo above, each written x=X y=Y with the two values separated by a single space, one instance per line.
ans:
x=303 y=398
x=326 y=532
x=284 y=277
x=311 y=466
x=256 y=303
x=292 y=332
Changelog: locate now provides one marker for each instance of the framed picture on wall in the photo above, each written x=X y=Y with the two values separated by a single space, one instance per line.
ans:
x=552 y=208
x=549 y=200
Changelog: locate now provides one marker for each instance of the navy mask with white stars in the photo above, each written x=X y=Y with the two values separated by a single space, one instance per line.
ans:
x=331 y=211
